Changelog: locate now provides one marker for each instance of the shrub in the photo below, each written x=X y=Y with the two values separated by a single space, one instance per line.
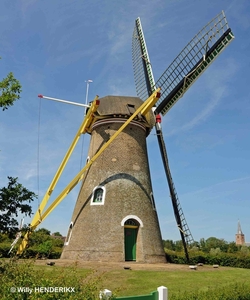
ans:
x=16 y=274
x=236 y=260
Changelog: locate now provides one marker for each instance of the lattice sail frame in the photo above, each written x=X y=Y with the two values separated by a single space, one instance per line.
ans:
x=193 y=60
x=143 y=74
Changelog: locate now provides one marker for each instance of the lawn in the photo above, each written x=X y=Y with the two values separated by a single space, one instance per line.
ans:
x=128 y=283
x=137 y=282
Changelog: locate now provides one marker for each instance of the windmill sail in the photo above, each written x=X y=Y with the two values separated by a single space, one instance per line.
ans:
x=193 y=60
x=144 y=81
x=187 y=67
x=143 y=74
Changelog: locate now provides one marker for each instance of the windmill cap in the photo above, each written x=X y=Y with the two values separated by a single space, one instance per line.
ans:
x=123 y=106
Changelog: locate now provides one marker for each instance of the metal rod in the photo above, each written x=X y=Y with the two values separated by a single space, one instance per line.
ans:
x=87 y=92
x=64 y=101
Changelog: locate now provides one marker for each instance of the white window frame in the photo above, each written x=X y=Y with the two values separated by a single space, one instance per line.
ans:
x=69 y=233
x=131 y=217
x=152 y=200
x=103 y=195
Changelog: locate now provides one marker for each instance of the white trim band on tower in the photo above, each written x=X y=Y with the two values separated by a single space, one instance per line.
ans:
x=117 y=120
x=131 y=217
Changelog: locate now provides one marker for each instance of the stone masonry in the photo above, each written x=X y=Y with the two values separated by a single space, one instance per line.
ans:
x=97 y=229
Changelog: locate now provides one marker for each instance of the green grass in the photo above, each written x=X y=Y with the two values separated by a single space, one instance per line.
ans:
x=181 y=283
x=129 y=283
x=138 y=282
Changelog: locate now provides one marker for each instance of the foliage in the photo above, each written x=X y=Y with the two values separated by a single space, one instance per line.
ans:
x=39 y=236
x=215 y=251
x=230 y=292
x=213 y=243
x=14 y=274
x=134 y=282
x=13 y=200
x=10 y=89
x=41 y=245
x=45 y=248
x=205 y=246
x=56 y=234
x=238 y=260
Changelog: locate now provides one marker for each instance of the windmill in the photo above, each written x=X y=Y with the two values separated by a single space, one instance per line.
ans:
x=115 y=217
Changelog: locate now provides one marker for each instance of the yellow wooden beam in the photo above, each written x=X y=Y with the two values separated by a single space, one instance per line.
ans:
x=86 y=123
x=88 y=120
x=149 y=105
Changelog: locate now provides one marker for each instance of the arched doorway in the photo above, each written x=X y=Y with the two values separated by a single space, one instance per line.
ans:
x=130 y=237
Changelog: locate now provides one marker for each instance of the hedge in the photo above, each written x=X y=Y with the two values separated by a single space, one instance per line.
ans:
x=222 y=259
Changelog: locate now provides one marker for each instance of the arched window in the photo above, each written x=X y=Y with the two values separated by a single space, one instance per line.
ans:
x=131 y=222
x=69 y=234
x=98 y=195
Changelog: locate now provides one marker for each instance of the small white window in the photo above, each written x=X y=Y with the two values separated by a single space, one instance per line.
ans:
x=98 y=195
x=69 y=234
x=88 y=159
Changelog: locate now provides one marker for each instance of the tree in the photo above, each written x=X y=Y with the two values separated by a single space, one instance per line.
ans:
x=215 y=251
x=13 y=200
x=213 y=242
x=232 y=247
x=169 y=244
x=179 y=245
x=39 y=236
x=45 y=248
x=57 y=233
x=10 y=89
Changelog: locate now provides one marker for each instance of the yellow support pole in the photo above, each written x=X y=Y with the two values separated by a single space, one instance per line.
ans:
x=82 y=129
x=149 y=103
x=86 y=122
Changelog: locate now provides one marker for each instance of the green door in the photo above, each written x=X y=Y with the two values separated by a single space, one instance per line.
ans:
x=130 y=243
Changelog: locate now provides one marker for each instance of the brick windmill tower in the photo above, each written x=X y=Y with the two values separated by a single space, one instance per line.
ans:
x=115 y=217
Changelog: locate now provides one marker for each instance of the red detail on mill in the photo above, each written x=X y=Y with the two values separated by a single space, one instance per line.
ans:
x=40 y=96
x=158 y=118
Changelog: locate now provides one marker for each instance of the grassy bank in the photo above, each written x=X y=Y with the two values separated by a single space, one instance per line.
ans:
x=182 y=283
x=142 y=282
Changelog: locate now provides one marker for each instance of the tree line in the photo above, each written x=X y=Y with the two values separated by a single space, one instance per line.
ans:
x=212 y=244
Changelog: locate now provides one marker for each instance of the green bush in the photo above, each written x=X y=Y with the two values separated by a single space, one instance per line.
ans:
x=236 y=260
x=4 y=249
x=16 y=274
x=37 y=251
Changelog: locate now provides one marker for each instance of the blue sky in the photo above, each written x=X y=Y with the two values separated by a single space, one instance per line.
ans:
x=53 y=47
